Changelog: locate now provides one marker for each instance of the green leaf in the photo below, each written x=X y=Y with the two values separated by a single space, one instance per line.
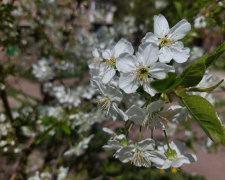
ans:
x=44 y=134
x=206 y=89
x=194 y=73
x=206 y=116
x=48 y=119
x=215 y=55
x=65 y=128
x=178 y=7
x=167 y=84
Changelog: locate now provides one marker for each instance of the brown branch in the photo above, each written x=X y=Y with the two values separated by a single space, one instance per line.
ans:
x=205 y=10
x=6 y=105
x=20 y=171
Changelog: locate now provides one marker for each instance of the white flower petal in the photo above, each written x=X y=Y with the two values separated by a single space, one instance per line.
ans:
x=177 y=146
x=126 y=63
x=107 y=54
x=95 y=52
x=147 y=144
x=165 y=55
x=147 y=88
x=120 y=137
x=110 y=72
x=179 y=161
x=179 y=30
x=125 y=154
x=112 y=145
x=157 y=157
x=136 y=114
x=113 y=113
x=97 y=85
x=180 y=55
x=128 y=82
x=148 y=54
x=161 y=26
x=166 y=164
x=114 y=94
x=151 y=38
x=123 y=46
x=108 y=131
x=160 y=70
x=191 y=157
x=155 y=106
x=120 y=112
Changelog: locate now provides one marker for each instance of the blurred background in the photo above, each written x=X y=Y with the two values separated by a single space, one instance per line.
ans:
x=47 y=108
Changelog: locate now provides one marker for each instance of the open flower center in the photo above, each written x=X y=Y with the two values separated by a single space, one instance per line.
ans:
x=96 y=62
x=140 y=158
x=143 y=73
x=154 y=119
x=106 y=103
x=111 y=62
x=165 y=41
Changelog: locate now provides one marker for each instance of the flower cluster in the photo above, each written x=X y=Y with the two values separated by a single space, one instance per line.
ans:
x=123 y=80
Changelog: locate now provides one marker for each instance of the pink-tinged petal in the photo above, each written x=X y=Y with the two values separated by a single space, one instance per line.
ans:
x=126 y=63
x=161 y=26
x=179 y=30
x=148 y=54
x=150 y=38
x=128 y=82
x=165 y=55
x=123 y=46
x=108 y=75
x=136 y=114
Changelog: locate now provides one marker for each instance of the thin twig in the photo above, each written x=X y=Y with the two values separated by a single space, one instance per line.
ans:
x=20 y=172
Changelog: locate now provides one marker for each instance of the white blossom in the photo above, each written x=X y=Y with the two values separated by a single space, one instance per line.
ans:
x=141 y=69
x=200 y=22
x=175 y=157
x=167 y=39
x=109 y=99
x=141 y=154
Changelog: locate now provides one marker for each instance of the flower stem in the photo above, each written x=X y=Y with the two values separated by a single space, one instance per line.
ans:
x=167 y=142
x=125 y=124
x=139 y=139
x=152 y=132
x=129 y=129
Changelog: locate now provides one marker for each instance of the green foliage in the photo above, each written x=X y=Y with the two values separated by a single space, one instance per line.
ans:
x=215 y=55
x=194 y=73
x=48 y=120
x=206 y=116
x=167 y=84
x=44 y=134
x=206 y=89
x=65 y=128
